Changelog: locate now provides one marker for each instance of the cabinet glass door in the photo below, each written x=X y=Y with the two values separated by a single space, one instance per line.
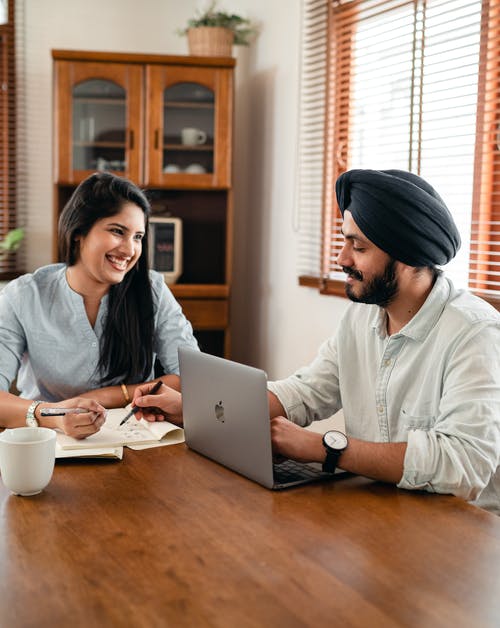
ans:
x=99 y=126
x=188 y=129
x=189 y=122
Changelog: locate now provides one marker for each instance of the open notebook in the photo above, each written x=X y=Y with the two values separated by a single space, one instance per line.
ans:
x=134 y=434
x=97 y=452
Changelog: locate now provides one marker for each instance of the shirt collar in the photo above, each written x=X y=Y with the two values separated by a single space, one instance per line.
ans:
x=424 y=320
x=74 y=296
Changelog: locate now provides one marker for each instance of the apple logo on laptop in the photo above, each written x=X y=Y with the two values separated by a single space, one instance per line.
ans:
x=219 y=411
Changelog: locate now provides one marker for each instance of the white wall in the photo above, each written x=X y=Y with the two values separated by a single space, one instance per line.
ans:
x=111 y=25
x=276 y=324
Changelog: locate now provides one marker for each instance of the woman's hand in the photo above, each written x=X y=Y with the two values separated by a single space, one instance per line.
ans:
x=78 y=425
x=165 y=404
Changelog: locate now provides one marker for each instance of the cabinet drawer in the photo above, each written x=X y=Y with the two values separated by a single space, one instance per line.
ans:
x=206 y=313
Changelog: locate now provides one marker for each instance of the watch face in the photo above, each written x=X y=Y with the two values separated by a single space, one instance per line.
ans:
x=335 y=440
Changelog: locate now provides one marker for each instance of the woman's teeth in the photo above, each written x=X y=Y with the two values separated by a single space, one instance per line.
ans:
x=118 y=263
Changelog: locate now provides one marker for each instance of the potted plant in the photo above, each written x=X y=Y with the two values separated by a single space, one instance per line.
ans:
x=213 y=33
x=11 y=242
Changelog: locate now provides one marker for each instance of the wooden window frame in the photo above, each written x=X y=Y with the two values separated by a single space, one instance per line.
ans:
x=485 y=227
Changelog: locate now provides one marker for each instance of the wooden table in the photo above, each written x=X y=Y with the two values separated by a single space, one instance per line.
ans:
x=168 y=538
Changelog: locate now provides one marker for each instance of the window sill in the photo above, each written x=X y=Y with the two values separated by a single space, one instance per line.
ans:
x=336 y=288
x=7 y=276
x=325 y=286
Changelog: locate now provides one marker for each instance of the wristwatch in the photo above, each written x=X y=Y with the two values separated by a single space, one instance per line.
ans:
x=335 y=443
x=31 y=420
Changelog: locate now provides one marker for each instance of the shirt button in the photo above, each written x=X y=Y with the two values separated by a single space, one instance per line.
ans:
x=94 y=344
x=387 y=362
x=381 y=409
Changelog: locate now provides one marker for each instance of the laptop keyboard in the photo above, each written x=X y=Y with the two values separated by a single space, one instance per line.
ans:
x=292 y=471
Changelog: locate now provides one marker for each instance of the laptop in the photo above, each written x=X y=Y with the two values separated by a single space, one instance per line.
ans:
x=226 y=418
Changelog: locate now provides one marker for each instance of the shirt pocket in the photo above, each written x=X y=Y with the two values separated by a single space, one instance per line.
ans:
x=418 y=415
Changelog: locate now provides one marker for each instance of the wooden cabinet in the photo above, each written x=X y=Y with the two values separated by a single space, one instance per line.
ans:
x=166 y=123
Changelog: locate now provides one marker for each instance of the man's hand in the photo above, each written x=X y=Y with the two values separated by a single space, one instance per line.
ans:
x=295 y=442
x=380 y=461
x=165 y=404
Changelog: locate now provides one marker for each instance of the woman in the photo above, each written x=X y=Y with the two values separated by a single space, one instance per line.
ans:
x=83 y=333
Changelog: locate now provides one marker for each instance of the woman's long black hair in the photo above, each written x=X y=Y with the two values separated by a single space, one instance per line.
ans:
x=126 y=351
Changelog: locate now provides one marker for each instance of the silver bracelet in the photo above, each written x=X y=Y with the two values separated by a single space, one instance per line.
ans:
x=31 y=420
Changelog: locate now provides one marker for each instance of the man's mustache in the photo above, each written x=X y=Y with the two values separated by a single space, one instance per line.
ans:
x=352 y=272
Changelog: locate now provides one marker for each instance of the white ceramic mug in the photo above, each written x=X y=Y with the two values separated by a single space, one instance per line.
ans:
x=27 y=456
x=192 y=137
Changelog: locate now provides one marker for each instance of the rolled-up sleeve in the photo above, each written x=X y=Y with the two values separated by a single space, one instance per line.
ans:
x=461 y=452
x=311 y=393
x=12 y=343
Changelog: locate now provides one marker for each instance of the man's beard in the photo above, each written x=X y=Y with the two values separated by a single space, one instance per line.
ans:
x=381 y=289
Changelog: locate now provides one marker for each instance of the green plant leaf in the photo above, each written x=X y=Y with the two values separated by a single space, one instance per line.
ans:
x=12 y=240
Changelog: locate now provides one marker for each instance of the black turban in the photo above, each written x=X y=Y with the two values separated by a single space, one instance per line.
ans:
x=401 y=214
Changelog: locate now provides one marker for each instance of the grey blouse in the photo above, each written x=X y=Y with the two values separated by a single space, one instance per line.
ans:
x=47 y=342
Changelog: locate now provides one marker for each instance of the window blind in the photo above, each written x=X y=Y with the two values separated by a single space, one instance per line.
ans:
x=7 y=134
x=314 y=45
x=413 y=85
x=8 y=138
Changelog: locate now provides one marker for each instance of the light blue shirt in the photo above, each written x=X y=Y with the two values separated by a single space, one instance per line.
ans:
x=434 y=385
x=48 y=343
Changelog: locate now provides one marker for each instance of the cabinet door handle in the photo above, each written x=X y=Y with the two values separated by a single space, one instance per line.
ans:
x=157 y=139
x=131 y=139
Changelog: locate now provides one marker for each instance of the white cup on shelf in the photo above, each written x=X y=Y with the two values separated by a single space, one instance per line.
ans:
x=193 y=137
x=27 y=456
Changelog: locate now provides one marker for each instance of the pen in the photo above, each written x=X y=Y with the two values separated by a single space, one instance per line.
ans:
x=153 y=390
x=62 y=411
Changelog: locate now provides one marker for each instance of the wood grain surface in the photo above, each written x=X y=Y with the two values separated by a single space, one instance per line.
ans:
x=168 y=538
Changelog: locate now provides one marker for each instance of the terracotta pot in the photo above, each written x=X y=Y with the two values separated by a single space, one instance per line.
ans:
x=210 y=41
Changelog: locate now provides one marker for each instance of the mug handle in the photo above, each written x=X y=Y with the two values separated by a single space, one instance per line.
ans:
x=202 y=137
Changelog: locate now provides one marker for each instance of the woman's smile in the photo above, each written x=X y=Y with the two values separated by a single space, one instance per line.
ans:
x=120 y=263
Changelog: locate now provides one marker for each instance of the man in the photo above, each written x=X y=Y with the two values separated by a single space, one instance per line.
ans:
x=415 y=364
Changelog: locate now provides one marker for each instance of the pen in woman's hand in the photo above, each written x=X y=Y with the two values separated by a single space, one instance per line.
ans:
x=153 y=390
x=63 y=411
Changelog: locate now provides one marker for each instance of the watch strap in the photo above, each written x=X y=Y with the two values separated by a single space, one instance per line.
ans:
x=331 y=461
x=31 y=419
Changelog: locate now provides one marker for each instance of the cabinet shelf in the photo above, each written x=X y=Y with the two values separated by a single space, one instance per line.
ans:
x=183 y=147
x=200 y=291
x=87 y=144
x=93 y=100
x=189 y=105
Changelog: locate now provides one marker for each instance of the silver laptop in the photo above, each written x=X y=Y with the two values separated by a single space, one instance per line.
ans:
x=226 y=418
